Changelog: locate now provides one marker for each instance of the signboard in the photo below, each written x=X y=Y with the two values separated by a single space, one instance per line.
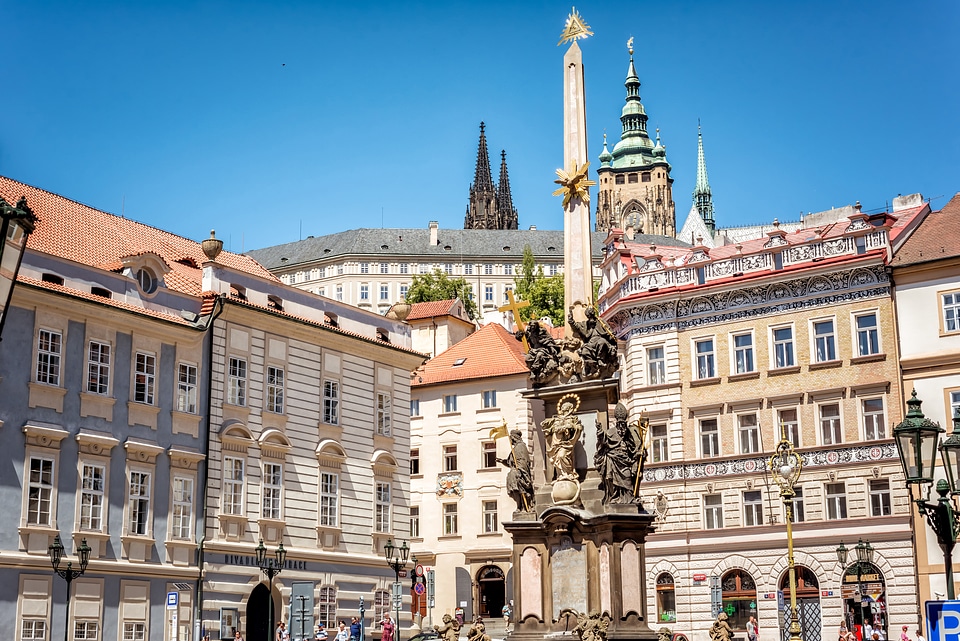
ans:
x=699 y=577
x=420 y=588
x=770 y=595
x=943 y=620
x=173 y=600
x=826 y=592
x=403 y=574
x=419 y=570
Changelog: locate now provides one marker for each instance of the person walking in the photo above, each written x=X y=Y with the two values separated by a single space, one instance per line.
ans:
x=343 y=633
x=387 y=628
x=321 y=633
x=355 y=629
x=753 y=630
x=507 y=614
x=920 y=635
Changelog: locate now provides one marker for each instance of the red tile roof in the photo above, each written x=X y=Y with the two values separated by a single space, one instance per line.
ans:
x=937 y=237
x=431 y=309
x=490 y=351
x=85 y=235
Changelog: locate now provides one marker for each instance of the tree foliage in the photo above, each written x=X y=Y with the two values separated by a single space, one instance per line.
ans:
x=438 y=286
x=544 y=293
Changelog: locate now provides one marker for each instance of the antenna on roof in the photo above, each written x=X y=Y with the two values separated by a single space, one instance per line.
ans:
x=123 y=204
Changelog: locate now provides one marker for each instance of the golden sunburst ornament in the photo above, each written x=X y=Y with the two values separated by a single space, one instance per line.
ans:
x=575 y=28
x=574 y=183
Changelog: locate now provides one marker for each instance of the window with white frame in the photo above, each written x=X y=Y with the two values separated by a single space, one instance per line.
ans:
x=468 y=269
x=331 y=402
x=271 y=490
x=656 y=366
x=384 y=268
x=139 y=503
x=33 y=630
x=489 y=399
x=382 y=509
x=144 y=378
x=339 y=293
x=489 y=517
x=488 y=455
x=749 y=432
x=508 y=269
x=450 y=524
x=404 y=288
x=709 y=437
x=182 y=526
x=98 y=368
x=237 y=381
x=797 y=512
x=91 y=496
x=415 y=407
x=836 y=494
x=40 y=491
x=752 y=508
x=783 y=347
x=874 y=426
x=712 y=511
x=384 y=292
x=86 y=630
x=327 y=606
x=383 y=414
x=415 y=461
x=275 y=382
x=743 y=353
x=954 y=402
x=552 y=269
x=364 y=268
x=448 y=269
x=187 y=388
x=830 y=433
x=49 y=349
x=450 y=458
x=404 y=268
x=950 y=308
x=880 y=502
x=788 y=426
x=488 y=293
x=423 y=268
x=415 y=521
x=868 y=336
x=233 y=479
x=134 y=631
x=824 y=341
x=449 y=403
x=364 y=291
x=659 y=444
x=706 y=363
x=329 y=499
x=382 y=604
x=488 y=269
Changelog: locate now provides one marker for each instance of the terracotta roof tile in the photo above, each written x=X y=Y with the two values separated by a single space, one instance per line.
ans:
x=431 y=309
x=937 y=237
x=490 y=351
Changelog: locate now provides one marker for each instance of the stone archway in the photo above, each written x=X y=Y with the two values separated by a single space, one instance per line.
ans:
x=491 y=591
x=259 y=627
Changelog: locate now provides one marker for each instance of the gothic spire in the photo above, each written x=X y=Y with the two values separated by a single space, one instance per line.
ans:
x=482 y=178
x=482 y=209
x=505 y=209
x=702 y=197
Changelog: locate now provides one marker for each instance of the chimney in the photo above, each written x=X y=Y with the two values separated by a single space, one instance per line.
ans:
x=434 y=231
x=533 y=228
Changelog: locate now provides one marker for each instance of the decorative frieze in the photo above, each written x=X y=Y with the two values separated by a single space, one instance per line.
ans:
x=450 y=484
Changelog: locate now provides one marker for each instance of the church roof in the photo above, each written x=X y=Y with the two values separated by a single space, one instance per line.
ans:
x=937 y=237
x=490 y=351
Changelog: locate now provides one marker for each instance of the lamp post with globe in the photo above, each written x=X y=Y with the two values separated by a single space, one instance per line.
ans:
x=785 y=466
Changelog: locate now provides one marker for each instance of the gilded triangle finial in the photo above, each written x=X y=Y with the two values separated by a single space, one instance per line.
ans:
x=575 y=28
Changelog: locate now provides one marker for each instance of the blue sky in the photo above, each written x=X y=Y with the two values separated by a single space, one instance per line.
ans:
x=268 y=121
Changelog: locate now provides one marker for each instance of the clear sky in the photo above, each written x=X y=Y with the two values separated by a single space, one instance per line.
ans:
x=274 y=120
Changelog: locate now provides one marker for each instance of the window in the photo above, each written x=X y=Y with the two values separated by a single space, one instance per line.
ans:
x=783 y=347
x=450 y=403
x=488 y=269
x=98 y=368
x=789 y=426
x=40 y=491
x=824 y=341
x=450 y=458
x=232 y=485
x=706 y=367
x=836 y=501
x=86 y=631
x=340 y=269
x=415 y=521
x=619 y=179
x=830 y=424
x=146 y=280
x=49 y=347
x=873 y=423
x=364 y=291
x=658 y=443
x=449 y=519
x=752 y=508
x=33 y=630
x=423 y=268
x=384 y=292
x=489 y=456
x=329 y=499
x=749 y=433
x=552 y=270
x=139 y=503
x=468 y=269
x=508 y=269
x=415 y=407
x=272 y=487
x=489 y=517
x=404 y=268
x=448 y=268
x=488 y=293
x=656 y=366
x=187 y=388
x=880 y=504
x=739 y=598
x=382 y=604
x=237 y=382
x=666 y=599
x=339 y=293
x=384 y=268
x=382 y=508
x=182 y=508
x=327 y=606
x=712 y=511
x=404 y=288
x=489 y=399
x=331 y=402
x=134 y=631
x=950 y=304
x=275 y=389
x=91 y=497
x=798 y=516
x=364 y=268
x=415 y=461
x=868 y=338
x=383 y=414
x=709 y=437
x=743 y=353
x=145 y=371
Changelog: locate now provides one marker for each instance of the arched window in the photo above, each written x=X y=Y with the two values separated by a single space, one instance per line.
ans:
x=807 y=584
x=739 y=598
x=327 y=606
x=666 y=598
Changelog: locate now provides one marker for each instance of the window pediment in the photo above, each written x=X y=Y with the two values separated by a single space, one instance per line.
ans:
x=184 y=459
x=44 y=434
x=97 y=444
x=142 y=452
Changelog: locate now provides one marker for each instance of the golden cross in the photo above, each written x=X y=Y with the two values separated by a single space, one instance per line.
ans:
x=514 y=306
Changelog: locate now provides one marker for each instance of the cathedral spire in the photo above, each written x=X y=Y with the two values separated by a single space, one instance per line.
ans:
x=506 y=213
x=702 y=197
x=482 y=178
x=482 y=210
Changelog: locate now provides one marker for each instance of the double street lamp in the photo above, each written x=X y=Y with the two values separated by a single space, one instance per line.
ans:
x=785 y=466
x=271 y=566
x=864 y=562
x=397 y=560
x=68 y=573
x=918 y=439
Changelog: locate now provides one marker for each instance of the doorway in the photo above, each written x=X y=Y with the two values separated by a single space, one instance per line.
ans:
x=259 y=627
x=864 y=596
x=808 y=605
x=491 y=591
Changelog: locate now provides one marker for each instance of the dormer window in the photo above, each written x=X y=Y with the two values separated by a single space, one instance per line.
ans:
x=147 y=268
x=146 y=280
x=275 y=302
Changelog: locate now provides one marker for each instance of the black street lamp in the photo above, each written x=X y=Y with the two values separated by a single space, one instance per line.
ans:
x=271 y=567
x=68 y=574
x=864 y=562
x=918 y=439
x=398 y=562
x=16 y=224
x=785 y=465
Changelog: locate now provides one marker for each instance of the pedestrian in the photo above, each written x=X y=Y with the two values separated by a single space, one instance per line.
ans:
x=321 y=634
x=867 y=629
x=236 y=635
x=920 y=635
x=343 y=633
x=753 y=631
x=387 y=628
x=282 y=633
x=355 y=629
x=507 y=614
x=458 y=615
x=844 y=634
x=903 y=634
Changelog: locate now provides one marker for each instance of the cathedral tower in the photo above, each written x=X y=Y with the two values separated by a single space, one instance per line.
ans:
x=702 y=197
x=490 y=207
x=635 y=191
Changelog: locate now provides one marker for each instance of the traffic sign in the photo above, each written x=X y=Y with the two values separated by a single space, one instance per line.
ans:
x=419 y=570
x=173 y=599
x=403 y=574
x=943 y=620
x=420 y=588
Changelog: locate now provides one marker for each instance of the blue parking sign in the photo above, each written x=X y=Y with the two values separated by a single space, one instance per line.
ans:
x=943 y=620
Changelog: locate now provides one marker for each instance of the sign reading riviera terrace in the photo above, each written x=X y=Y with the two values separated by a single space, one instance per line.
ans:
x=242 y=559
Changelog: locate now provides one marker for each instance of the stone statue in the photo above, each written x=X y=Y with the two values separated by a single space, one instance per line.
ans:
x=599 y=349
x=593 y=627
x=450 y=630
x=543 y=355
x=618 y=458
x=562 y=433
x=720 y=630
x=571 y=364
x=664 y=634
x=520 y=476
x=478 y=631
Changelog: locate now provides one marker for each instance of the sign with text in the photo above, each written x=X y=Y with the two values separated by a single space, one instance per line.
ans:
x=173 y=599
x=699 y=577
x=943 y=620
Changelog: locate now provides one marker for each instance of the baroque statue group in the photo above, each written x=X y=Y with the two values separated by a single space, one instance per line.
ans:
x=590 y=353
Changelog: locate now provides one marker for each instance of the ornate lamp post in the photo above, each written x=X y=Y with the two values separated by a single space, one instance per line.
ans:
x=785 y=466
x=68 y=574
x=271 y=567
x=396 y=559
x=16 y=224
x=917 y=439
x=864 y=561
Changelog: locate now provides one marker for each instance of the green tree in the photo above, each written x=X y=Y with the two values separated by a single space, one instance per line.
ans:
x=544 y=293
x=438 y=286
